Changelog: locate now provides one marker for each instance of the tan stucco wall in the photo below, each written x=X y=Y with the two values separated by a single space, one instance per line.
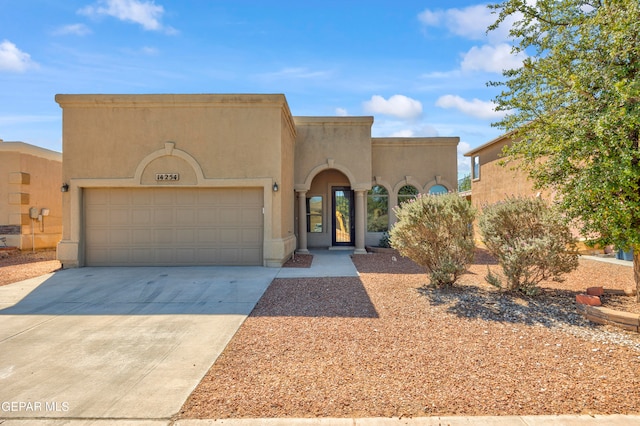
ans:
x=499 y=179
x=496 y=181
x=421 y=162
x=341 y=143
x=222 y=140
x=30 y=177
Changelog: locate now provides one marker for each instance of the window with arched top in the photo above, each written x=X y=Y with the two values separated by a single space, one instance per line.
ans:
x=438 y=189
x=378 y=209
x=406 y=193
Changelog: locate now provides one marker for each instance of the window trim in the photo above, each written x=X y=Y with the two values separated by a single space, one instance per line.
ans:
x=321 y=214
x=475 y=167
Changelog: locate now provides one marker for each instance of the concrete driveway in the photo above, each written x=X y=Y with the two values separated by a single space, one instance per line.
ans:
x=117 y=343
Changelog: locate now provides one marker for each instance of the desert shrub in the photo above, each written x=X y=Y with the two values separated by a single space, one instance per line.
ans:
x=435 y=232
x=530 y=241
x=384 y=240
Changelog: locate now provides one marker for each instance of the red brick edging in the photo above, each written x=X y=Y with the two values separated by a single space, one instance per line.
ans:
x=588 y=305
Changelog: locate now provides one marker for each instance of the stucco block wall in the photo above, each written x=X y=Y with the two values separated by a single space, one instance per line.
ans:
x=343 y=143
x=498 y=181
x=110 y=134
x=422 y=162
x=284 y=221
x=30 y=177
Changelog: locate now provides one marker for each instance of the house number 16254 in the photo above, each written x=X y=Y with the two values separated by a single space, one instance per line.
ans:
x=167 y=176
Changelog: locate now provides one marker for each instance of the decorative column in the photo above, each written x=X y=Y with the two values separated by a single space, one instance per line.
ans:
x=302 y=222
x=360 y=223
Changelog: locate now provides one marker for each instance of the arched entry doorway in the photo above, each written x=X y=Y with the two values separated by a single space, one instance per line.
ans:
x=329 y=212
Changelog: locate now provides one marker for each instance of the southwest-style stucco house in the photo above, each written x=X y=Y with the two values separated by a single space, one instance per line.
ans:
x=230 y=179
x=491 y=181
x=30 y=199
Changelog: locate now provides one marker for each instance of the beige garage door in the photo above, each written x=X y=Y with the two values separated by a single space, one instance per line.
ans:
x=173 y=226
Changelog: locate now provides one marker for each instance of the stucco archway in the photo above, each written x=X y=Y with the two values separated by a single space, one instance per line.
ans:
x=323 y=185
x=169 y=151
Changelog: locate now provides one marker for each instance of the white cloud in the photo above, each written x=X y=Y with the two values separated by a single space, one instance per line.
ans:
x=145 y=13
x=492 y=58
x=73 y=29
x=397 y=105
x=341 y=112
x=13 y=59
x=298 y=73
x=406 y=133
x=470 y=22
x=151 y=51
x=474 y=108
x=464 y=166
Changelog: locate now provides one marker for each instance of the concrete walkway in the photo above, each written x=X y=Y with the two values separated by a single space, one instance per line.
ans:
x=326 y=263
x=605 y=259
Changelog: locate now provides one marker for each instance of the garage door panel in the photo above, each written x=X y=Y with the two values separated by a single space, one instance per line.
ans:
x=119 y=237
x=119 y=198
x=142 y=237
x=249 y=234
x=229 y=236
x=173 y=226
x=187 y=196
x=166 y=198
x=230 y=216
x=208 y=236
x=163 y=216
x=141 y=216
x=97 y=216
x=185 y=236
x=142 y=256
x=163 y=237
x=119 y=217
x=142 y=198
x=207 y=217
x=97 y=237
x=250 y=197
x=186 y=216
x=252 y=217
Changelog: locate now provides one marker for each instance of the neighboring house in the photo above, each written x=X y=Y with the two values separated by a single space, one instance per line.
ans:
x=230 y=179
x=30 y=198
x=491 y=181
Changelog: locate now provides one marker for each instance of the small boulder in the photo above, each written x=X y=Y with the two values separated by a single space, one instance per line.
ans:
x=585 y=299
x=595 y=291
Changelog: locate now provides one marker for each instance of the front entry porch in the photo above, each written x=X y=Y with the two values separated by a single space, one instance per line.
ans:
x=331 y=214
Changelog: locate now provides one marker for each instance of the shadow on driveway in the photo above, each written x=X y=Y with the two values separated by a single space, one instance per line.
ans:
x=139 y=291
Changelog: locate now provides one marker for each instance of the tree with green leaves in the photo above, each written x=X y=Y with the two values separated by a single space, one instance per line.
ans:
x=574 y=108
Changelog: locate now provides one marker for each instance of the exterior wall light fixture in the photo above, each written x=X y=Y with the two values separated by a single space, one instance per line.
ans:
x=64 y=187
x=275 y=187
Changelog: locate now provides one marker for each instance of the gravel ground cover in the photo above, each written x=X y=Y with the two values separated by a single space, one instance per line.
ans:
x=385 y=345
x=17 y=266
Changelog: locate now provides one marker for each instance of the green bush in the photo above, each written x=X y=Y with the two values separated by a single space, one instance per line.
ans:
x=530 y=241
x=435 y=232
x=384 y=240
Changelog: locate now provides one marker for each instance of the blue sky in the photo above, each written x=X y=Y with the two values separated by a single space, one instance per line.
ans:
x=418 y=67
